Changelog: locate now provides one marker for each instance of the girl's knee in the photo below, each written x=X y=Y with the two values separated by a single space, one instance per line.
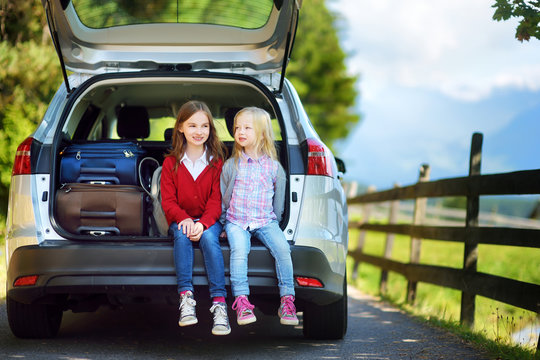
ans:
x=209 y=237
x=281 y=247
x=181 y=239
x=209 y=243
x=239 y=252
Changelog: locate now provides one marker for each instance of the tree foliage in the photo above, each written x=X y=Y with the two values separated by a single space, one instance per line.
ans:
x=527 y=11
x=21 y=21
x=30 y=73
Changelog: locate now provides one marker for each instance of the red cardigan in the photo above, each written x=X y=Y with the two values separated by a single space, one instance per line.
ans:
x=182 y=197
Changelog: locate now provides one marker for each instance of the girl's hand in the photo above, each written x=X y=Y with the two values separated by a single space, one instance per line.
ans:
x=196 y=232
x=223 y=235
x=186 y=226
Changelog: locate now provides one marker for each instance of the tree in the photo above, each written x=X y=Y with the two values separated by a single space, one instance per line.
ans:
x=318 y=72
x=528 y=11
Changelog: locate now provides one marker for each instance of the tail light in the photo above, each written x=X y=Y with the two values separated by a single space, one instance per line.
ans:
x=21 y=166
x=26 y=281
x=320 y=160
x=308 y=282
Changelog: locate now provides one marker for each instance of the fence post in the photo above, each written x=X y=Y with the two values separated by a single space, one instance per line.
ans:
x=366 y=210
x=389 y=244
x=418 y=219
x=470 y=256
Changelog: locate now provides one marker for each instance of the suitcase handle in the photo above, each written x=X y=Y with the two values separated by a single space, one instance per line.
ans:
x=98 y=179
x=98 y=231
x=103 y=174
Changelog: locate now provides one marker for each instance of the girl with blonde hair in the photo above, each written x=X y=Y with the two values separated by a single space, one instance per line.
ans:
x=253 y=196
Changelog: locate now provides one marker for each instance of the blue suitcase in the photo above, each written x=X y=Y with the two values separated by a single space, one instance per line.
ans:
x=101 y=163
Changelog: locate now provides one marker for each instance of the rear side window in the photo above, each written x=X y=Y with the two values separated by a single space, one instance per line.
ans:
x=246 y=14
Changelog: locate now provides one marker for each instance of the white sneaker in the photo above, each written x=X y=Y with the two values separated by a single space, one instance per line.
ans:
x=221 y=320
x=187 y=309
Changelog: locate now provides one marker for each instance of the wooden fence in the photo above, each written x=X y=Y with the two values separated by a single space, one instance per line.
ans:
x=467 y=280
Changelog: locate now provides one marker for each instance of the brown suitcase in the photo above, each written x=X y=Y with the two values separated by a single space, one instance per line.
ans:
x=98 y=209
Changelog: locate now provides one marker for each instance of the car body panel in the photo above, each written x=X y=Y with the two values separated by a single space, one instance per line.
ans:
x=323 y=222
x=21 y=229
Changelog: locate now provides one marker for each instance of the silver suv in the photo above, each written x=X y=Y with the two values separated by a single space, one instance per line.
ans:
x=151 y=57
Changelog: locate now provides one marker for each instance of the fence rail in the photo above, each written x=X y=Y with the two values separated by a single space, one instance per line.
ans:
x=467 y=280
x=438 y=215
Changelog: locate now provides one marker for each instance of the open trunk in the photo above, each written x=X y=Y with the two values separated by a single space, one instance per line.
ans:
x=115 y=110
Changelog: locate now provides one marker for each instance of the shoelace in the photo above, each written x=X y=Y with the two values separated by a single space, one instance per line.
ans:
x=220 y=314
x=287 y=306
x=243 y=304
x=187 y=306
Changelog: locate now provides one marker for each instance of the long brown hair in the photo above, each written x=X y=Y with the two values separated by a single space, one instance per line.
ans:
x=214 y=146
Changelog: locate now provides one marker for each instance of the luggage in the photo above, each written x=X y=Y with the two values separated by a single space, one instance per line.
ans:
x=98 y=209
x=101 y=163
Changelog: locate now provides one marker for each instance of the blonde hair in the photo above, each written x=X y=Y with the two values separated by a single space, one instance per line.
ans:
x=214 y=147
x=262 y=124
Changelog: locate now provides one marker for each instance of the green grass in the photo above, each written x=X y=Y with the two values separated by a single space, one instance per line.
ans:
x=498 y=350
x=494 y=321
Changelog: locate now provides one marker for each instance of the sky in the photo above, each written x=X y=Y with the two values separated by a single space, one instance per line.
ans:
x=431 y=73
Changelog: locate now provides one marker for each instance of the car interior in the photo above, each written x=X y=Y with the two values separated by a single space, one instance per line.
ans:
x=144 y=112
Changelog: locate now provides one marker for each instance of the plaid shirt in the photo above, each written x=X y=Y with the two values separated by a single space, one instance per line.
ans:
x=251 y=201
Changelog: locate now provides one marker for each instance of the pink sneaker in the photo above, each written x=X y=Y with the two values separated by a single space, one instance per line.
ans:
x=244 y=310
x=287 y=311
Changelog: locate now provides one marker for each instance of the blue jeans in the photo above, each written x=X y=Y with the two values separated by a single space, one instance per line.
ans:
x=240 y=243
x=213 y=259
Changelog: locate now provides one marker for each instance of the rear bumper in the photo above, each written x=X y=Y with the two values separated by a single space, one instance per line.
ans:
x=135 y=269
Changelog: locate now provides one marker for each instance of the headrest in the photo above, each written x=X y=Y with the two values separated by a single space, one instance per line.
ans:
x=133 y=122
x=168 y=134
x=229 y=115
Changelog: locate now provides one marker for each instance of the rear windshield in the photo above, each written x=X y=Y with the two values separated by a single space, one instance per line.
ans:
x=154 y=105
x=246 y=14
x=158 y=127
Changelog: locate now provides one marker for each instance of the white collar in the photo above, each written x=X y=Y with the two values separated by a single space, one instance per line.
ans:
x=202 y=159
